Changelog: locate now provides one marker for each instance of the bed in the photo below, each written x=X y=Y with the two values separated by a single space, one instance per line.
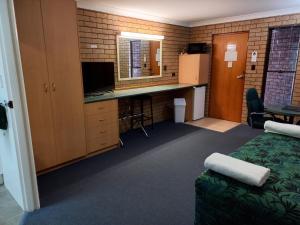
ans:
x=221 y=200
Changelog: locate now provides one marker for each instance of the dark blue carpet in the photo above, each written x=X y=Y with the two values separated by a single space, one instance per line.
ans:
x=148 y=182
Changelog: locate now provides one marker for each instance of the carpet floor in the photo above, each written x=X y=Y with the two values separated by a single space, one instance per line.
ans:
x=148 y=182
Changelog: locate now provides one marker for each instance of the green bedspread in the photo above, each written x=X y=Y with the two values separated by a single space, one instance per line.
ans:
x=223 y=201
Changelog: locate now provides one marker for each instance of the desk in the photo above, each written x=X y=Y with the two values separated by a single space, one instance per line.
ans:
x=116 y=94
x=279 y=110
x=102 y=113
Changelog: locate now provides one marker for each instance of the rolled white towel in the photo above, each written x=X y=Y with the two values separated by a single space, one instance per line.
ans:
x=240 y=170
x=282 y=128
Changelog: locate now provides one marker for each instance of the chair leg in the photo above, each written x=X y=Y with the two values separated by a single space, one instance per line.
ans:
x=143 y=129
x=121 y=143
x=142 y=111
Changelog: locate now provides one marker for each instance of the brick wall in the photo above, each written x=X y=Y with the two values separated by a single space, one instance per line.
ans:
x=258 y=37
x=101 y=29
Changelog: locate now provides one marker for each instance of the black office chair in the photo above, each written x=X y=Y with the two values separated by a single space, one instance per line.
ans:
x=256 y=115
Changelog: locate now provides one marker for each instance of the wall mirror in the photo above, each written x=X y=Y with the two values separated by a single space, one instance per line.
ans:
x=139 y=56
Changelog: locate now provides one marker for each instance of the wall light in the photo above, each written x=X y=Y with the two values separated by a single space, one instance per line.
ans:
x=141 y=36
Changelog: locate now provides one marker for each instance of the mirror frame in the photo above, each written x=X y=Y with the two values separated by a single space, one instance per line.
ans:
x=137 y=78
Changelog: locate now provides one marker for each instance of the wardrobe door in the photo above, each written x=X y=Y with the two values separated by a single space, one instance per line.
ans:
x=61 y=38
x=33 y=56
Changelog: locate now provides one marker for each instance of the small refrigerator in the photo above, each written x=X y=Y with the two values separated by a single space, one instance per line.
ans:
x=199 y=102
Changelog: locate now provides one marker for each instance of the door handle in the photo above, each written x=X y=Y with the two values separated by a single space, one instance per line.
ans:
x=53 y=86
x=241 y=76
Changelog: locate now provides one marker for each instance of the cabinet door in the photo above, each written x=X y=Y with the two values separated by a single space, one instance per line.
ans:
x=33 y=56
x=61 y=38
x=204 y=68
x=189 y=69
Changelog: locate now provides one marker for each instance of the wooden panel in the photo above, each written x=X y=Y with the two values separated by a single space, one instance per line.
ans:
x=102 y=125
x=204 y=69
x=61 y=38
x=33 y=56
x=189 y=69
x=188 y=95
x=226 y=93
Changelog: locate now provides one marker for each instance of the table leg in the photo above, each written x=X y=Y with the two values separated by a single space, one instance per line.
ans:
x=291 y=119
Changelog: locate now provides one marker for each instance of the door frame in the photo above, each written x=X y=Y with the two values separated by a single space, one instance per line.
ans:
x=14 y=82
x=211 y=75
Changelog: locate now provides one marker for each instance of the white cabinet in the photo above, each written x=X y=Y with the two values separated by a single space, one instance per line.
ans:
x=198 y=102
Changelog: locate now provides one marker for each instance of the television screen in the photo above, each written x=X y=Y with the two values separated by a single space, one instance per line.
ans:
x=98 y=76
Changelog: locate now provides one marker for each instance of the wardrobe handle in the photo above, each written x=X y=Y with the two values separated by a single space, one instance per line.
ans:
x=53 y=86
x=45 y=88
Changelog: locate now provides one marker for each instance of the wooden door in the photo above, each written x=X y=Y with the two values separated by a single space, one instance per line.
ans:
x=34 y=65
x=227 y=83
x=154 y=66
x=61 y=38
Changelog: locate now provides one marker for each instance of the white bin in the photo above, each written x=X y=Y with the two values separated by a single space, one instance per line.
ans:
x=179 y=110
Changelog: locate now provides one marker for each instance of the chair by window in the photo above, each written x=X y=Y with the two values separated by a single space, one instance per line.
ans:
x=256 y=116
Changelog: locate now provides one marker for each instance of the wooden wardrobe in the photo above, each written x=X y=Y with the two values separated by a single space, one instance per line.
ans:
x=47 y=32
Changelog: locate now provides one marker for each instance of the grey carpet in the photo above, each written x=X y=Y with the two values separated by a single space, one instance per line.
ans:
x=148 y=182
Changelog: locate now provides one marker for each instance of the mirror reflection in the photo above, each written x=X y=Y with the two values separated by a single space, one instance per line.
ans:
x=138 y=58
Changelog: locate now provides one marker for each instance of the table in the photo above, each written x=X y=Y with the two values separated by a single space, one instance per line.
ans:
x=117 y=94
x=281 y=110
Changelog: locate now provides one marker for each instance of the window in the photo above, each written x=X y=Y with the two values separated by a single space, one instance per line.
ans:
x=281 y=65
x=135 y=58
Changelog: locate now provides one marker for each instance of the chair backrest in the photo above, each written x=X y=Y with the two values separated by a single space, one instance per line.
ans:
x=254 y=103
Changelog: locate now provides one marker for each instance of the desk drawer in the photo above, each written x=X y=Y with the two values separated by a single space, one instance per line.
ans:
x=101 y=141
x=102 y=130
x=101 y=107
x=102 y=126
x=103 y=120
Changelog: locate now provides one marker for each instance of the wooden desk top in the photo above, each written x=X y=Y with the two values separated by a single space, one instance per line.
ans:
x=116 y=94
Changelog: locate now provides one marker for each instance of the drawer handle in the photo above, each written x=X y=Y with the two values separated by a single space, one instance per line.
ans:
x=102 y=132
x=100 y=108
x=101 y=120
x=45 y=88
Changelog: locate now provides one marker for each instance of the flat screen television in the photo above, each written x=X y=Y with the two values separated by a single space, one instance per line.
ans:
x=98 y=77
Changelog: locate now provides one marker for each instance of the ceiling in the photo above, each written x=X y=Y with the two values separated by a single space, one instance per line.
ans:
x=194 y=12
